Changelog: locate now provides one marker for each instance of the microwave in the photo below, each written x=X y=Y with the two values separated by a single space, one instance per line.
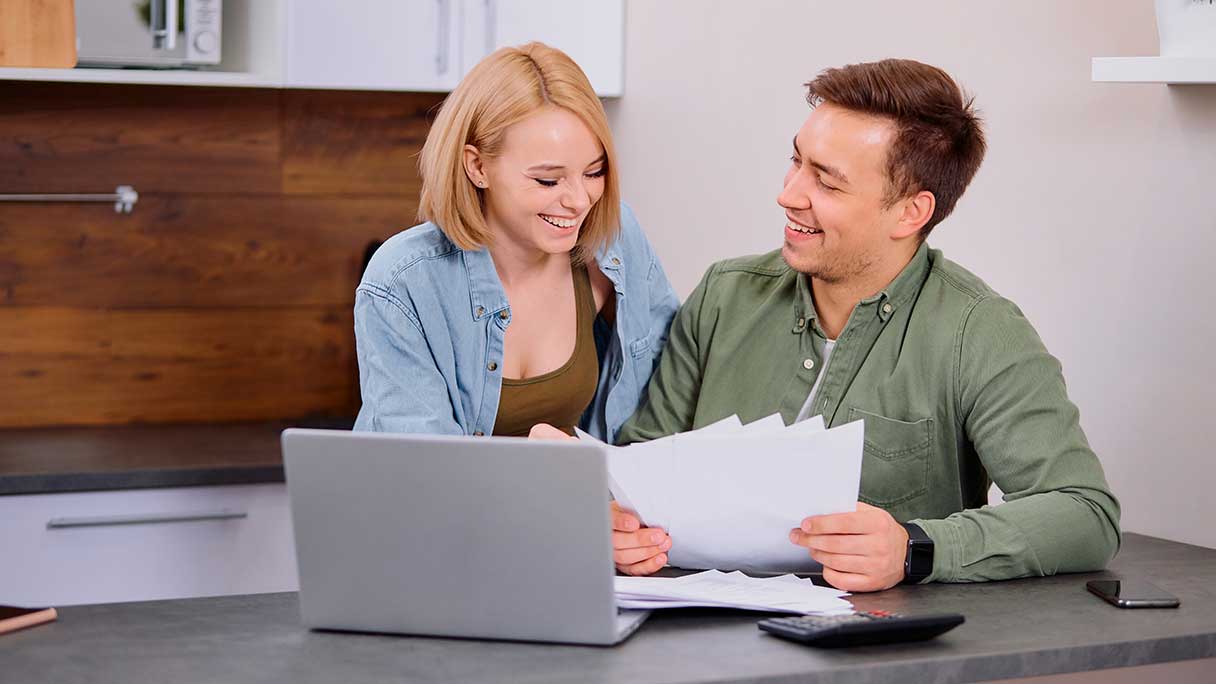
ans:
x=148 y=33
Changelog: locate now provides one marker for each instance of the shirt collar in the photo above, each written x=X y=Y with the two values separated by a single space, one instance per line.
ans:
x=885 y=303
x=486 y=294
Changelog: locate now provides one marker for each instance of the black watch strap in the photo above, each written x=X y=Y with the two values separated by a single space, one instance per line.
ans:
x=918 y=560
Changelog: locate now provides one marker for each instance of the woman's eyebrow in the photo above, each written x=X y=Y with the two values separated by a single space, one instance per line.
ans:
x=550 y=166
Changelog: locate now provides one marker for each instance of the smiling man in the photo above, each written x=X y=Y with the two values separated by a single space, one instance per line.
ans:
x=856 y=318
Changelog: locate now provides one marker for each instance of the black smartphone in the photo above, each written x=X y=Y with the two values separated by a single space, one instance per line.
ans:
x=1132 y=594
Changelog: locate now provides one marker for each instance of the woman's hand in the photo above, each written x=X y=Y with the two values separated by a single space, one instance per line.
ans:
x=637 y=550
x=546 y=431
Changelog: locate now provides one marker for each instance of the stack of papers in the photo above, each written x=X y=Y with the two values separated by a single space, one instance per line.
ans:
x=729 y=494
x=714 y=589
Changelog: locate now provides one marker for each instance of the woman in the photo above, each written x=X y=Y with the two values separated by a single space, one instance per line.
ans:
x=530 y=294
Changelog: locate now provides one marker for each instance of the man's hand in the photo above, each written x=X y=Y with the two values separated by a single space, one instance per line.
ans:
x=860 y=551
x=637 y=550
x=546 y=431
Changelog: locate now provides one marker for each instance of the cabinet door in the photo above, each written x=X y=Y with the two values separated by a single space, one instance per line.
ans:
x=373 y=44
x=102 y=547
x=592 y=33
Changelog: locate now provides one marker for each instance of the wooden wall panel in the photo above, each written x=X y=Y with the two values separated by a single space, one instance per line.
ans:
x=83 y=137
x=73 y=366
x=226 y=295
x=193 y=251
x=337 y=142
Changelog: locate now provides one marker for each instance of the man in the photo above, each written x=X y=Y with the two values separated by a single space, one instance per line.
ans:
x=855 y=318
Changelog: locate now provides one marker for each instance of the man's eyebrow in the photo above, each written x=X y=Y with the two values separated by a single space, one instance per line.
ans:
x=829 y=170
x=559 y=167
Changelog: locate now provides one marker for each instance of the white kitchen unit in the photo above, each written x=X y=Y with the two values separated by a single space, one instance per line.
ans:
x=373 y=44
x=136 y=545
x=592 y=33
x=406 y=45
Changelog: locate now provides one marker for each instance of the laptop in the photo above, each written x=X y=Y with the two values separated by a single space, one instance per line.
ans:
x=482 y=537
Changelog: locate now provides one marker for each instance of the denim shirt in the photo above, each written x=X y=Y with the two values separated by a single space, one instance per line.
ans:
x=430 y=319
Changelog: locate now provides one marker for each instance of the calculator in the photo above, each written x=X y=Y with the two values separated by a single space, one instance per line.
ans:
x=858 y=629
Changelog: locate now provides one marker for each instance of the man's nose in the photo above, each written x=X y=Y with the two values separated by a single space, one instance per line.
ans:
x=795 y=194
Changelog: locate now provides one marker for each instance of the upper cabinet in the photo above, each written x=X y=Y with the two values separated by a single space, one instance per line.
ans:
x=411 y=45
x=592 y=33
x=373 y=44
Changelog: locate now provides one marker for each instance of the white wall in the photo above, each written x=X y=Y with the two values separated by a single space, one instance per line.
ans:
x=1094 y=210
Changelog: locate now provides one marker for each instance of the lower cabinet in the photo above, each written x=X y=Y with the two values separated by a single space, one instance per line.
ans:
x=137 y=545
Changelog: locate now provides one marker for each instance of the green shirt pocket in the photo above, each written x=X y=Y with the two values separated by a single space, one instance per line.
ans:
x=895 y=465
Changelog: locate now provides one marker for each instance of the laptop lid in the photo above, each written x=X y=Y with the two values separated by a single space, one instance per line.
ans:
x=452 y=536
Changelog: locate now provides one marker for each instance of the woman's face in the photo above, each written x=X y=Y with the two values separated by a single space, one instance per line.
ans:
x=540 y=189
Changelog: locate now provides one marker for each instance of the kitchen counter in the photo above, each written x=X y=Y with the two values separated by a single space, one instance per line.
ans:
x=1018 y=628
x=73 y=459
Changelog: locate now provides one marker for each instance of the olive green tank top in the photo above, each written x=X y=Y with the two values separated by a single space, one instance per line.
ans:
x=558 y=397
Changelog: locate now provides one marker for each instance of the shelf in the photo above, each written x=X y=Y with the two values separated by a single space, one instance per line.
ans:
x=146 y=76
x=1170 y=70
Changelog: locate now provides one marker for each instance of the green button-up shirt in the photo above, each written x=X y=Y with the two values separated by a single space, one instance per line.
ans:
x=956 y=390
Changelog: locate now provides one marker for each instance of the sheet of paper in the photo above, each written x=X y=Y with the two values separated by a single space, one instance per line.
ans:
x=712 y=588
x=730 y=496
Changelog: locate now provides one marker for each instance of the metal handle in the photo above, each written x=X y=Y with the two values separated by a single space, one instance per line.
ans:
x=124 y=198
x=445 y=28
x=164 y=24
x=491 y=25
x=142 y=519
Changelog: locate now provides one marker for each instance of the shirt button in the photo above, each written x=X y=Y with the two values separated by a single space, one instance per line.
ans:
x=887 y=308
x=503 y=314
x=616 y=261
x=808 y=364
x=481 y=310
x=479 y=433
x=801 y=322
x=492 y=366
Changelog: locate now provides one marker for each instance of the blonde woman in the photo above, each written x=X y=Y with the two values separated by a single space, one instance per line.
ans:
x=530 y=295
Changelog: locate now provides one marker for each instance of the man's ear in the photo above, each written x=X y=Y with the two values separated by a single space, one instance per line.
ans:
x=917 y=210
x=474 y=166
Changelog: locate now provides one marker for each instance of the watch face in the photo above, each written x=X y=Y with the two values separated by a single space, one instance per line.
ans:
x=920 y=558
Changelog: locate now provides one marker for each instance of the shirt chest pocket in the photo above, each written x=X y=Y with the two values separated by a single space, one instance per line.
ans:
x=895 y=463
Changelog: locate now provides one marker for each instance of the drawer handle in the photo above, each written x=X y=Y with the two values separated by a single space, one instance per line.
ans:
x=142 y=519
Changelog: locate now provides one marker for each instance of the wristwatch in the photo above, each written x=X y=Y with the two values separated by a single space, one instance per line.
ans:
x=918 y=561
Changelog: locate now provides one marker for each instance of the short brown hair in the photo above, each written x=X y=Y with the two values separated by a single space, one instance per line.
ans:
x=939 y=141
x=501 y=90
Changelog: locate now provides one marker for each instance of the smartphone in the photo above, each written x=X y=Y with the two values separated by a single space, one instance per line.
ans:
x=1132 y=594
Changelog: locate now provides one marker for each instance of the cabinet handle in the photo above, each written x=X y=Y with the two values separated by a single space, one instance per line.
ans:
x=445 y=21
x=142 y=519
x=164 y=24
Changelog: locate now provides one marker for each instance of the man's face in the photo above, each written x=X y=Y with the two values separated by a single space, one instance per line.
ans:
x=838 y=229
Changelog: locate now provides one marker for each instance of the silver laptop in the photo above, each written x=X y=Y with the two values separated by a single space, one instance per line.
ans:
x=484 y=537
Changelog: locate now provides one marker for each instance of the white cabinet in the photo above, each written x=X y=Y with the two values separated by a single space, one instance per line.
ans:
x=65 y=549
x=373 y=44
x=412 y=45
x=592 y=33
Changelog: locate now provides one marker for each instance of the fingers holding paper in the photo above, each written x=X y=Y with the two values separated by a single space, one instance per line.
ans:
x=637 y=550
x=860 y=551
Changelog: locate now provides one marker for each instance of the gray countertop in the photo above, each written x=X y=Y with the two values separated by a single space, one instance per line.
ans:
x=73 y=459
x=1013 y=629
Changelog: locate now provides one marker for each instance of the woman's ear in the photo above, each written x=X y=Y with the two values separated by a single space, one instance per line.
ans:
x=474 y=168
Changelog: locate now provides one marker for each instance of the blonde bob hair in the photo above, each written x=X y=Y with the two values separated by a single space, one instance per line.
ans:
x=503 y=89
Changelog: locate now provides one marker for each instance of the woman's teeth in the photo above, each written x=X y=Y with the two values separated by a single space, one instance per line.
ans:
x=801 y=228
x=559 y=222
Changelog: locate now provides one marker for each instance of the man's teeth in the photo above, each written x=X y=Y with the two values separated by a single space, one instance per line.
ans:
x=560 y=223
x=802 y=229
